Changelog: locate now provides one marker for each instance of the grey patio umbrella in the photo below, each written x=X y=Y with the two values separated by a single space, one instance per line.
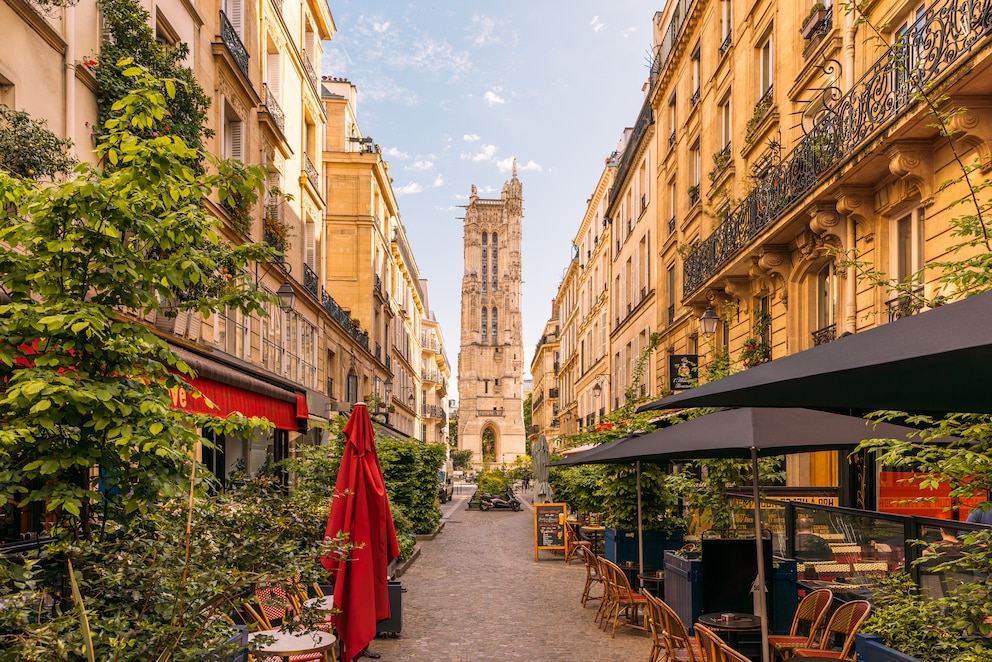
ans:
x=541 y=458
x=750 y=432
x=936 y=362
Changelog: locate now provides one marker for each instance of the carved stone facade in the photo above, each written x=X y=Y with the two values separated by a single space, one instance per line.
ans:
x=490 y=361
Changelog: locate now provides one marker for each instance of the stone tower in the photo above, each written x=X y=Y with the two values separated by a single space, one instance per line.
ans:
x=490 y=361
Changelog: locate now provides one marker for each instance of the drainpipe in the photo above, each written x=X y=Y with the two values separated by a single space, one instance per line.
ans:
x=69 y=96
x=850 y=34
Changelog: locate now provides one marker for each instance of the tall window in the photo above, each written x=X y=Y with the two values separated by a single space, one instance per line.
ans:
x=272 y=337
x=766 y=67
x=908 y=245
x=695 y=75
x=495 y=325
x=672 y=296
x=672 y=119
x=236 y=15
x=908 y=49
x=696 y=164
x=726 y=123
x=485 y=265
x=233 y=134
x=233 y=332
x=495 y=261
x=826 y=293
x=485 y=324
x=725 y=20
x=273 y=74
x=351 y=388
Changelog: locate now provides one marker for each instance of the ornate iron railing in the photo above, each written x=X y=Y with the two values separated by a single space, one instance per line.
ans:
x=825 y=335
x=822 y=28
x=694 y=99
x=233 y=42
x=552 y=393
x=693 y=195
x=311 y=74
x=671 y=138
x=905 y=304
x=947 y=33
x=378 y=283
x=671 y=225
x=341 y=317
x=644 y=120
x=671 y=314
x=273 y=108
x=727 y=43
x=311 y=171
x=310 y=282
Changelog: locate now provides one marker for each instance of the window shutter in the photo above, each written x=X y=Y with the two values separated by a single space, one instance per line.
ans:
x=234 y=134
x=310 y=252
x=235 y=10
x=272 y=74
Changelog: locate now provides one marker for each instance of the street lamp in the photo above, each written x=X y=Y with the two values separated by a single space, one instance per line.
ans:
x=708 y=321
x=597 y=390
x=287 y=296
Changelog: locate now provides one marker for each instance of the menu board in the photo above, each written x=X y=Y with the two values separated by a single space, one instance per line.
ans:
x=549 y=526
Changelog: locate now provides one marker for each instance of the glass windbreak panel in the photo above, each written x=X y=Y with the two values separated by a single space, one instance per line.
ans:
x=845 y=551
x=944 y=543
x=773 y=516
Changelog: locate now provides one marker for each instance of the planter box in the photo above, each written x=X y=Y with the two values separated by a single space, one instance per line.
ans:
x=814 y=22
x=869 y=648
x=620 y=546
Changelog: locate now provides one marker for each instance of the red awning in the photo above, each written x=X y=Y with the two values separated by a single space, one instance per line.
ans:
x=228 y=399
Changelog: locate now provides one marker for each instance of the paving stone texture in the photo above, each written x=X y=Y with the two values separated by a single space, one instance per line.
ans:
x=476 y=593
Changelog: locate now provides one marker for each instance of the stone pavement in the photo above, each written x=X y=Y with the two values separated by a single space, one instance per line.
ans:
x=476 y=593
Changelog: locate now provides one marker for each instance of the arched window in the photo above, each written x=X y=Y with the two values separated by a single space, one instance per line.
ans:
x=488 y=446
x=495 y=321
x=485 y=325
x=485 y=263
x=495 y=259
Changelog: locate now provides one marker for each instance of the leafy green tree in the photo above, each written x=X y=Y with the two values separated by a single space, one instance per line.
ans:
x=453 y=429
x=461 y=458
x=29 y=149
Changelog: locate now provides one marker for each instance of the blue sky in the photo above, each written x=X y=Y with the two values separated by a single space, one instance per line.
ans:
x=454 y=90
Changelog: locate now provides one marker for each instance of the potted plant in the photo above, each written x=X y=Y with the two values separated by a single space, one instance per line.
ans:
x=813 y=20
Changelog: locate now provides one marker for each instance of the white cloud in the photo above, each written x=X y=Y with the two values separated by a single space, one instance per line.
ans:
x=492 y=99
x=484 y=28
x=395 y=46
x=421 y=165
x=380 y=26
x=438 y=182
x=471 y=137
x=505 y=165
x=409 y=189
x=597 y=24
x=393 y=153
x=485 y=153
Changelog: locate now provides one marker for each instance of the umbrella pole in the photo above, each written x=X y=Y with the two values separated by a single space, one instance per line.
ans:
x=759 y=542
x=640 y=526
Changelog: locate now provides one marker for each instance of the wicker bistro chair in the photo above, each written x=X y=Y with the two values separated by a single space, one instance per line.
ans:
x=711 y=646
x=624 y=599
x=680 y=645
x=844 y=623
x=810 y=615
x=274 y=604
x=593 y=575
x=574 y=544
x=655 y=612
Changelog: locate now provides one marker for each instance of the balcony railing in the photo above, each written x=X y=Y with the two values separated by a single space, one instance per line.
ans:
x=335 y=311
x=311 y=170
x=311 y=74
x=671 y=314
x=694 y=99
x=906 y=304
x=644 y=120
x=693 y=195
x=432 y=411
x=310 y=282
x=825 y=335
x=489 y=412
x=552 y=393
x=273 y=108
x=727 y=42
x=671 y=226
x=378 y=283
x=233 y=42
x=671 y=138
x=947 y=33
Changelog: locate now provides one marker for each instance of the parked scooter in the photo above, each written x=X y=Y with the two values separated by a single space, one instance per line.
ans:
x=508 y=500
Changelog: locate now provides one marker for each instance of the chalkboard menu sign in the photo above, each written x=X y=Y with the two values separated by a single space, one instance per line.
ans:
x=549 y=526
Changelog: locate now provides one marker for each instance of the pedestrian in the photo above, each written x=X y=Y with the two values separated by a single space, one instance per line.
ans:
x=980 y=515
x=525 y=483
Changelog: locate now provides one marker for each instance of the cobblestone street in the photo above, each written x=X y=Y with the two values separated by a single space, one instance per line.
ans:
x=475 y=593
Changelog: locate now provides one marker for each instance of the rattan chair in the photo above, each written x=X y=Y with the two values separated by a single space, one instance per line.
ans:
x=593 y=576
x=624 y=600
x=844 y=624
x=711 y=646
x=574 y=544
x=274 y=604
x=809 y=618
x=655 y=613
x=681 y=646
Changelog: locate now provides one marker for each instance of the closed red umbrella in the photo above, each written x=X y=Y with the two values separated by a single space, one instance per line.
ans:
x=360 y=510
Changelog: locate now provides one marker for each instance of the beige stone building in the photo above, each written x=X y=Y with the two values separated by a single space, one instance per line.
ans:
x=351 y=299
x=490 y=359
x=546 y=402
x=783 y=135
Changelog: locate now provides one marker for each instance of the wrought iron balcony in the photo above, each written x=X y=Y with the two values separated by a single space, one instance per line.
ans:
x=905 y=304
x=378 y=283
x=693 y=195
x=311 y=170
x=727 y=43
x=671 y=138
x=825 y=335
x=671 y=225
x=273 y=108
x=694 y=99
x=489 y=412
x=644 y=120
x=342 y=318
x=553 y=393
x=233 y=42
x=671 y=314
x=310 y=282
x=946 y=34
x=311 y=74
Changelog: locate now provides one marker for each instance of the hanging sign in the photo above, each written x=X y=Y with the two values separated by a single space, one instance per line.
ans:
x=683 y=371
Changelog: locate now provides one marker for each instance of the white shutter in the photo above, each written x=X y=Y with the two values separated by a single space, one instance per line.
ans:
x=235 y=14
x=235 y=137
x=181 y=323
x=194 y=326
x=310 y=252
x=272 y=74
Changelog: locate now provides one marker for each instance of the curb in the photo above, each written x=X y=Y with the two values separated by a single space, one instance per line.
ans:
x=433 y=534
x=406 y=564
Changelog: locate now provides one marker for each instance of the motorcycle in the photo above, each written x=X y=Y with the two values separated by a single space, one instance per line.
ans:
x=508 y=500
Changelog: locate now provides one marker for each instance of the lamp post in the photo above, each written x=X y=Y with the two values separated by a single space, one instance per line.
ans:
x=708 y=321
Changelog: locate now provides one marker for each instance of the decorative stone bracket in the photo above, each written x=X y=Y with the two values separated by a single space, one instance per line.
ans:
x=972 y=126
x=912 y=162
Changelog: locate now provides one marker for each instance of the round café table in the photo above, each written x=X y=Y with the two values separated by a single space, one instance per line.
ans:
x=289 y=644
x=732 y=623
x=654 y=582
x=321 y=603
